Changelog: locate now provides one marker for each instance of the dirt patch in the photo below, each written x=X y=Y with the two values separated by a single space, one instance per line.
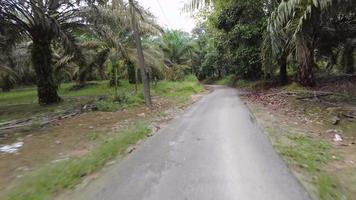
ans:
x=70 y=138
x=288 y=119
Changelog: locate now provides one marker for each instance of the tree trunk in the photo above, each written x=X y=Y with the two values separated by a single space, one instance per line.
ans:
x=331 y=62
x=283 y=70
x=7 y=84
x=141 y=59
x=42 y=62
x=131 y=72
x=306 y=74
x=305 y=55
x=349 y=59
x=82 y=75
x=114 y=79
x=219 y=73
x=306 y=41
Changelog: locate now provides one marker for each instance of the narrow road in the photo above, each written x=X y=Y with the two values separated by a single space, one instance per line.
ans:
x=214 y=151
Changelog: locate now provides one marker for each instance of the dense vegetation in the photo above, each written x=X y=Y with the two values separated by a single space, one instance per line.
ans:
x=288 y=39
x=51 y=42
x=96 y=55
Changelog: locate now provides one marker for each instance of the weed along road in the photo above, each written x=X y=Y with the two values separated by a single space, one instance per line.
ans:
x=213 y=151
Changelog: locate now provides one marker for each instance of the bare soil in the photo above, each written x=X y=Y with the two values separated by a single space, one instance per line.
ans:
x=282 y=112
x=72 y=137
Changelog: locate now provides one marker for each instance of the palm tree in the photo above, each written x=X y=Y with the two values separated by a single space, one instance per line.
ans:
x=178 y=53
x=299 y=22
x=275 y=49
x=8 y=37
x=197 y=4
x=140 y=55
x=45 y=21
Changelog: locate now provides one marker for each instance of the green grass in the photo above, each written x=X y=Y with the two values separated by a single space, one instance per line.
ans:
x=96 y=88
x=294 y=87
x=308 y=152
x=43 y=183
x=179 y=91
x=29 y=94
x=327 y=188
x=233 y=81
x=229 y=80
x=247 y=83
x=22 y=103
x=311 y=155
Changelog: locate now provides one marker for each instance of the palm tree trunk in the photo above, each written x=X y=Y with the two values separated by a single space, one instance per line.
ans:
x=114 y=79
x=46 y=85
x=7 y=83
x=141 y=59
x=82 y=75
x=305 y=72
x=305 y=55
x=349 y=58
x=283 y=70
x=131 y=72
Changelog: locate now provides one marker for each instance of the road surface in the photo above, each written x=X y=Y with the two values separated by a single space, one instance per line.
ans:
x=213 y=151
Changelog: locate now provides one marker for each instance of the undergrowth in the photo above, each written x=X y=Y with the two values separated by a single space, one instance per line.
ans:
x=311 y=155
x=22 y=103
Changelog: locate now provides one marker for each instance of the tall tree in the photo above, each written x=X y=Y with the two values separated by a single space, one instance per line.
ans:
x=242 y=24
x=306 y=23
x=178 y=50
x=141 y=59
x=45 y=21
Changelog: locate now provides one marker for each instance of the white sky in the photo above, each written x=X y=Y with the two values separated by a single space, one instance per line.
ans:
x=169 y=13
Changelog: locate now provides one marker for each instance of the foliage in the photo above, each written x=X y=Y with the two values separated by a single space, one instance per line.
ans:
x=229 y=80
x=243 y=25
x=112 y=29
x=300 y=27
x=311 y=154
x=178 y=51
x=21 y=103
x=179 y=91
x=122 y=100
x=232 y=39
x=44 y=23
x=298 y=33
x=73 y=40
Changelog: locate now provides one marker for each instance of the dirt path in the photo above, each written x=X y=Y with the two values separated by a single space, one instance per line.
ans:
x=212 y=151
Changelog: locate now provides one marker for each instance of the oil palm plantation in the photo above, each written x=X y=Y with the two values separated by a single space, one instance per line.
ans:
x=298 y=26
x=178 y=52
x=8 y=36
x=112 y=30
x=43 y=22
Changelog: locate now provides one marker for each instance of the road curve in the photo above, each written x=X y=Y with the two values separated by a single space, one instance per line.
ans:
x=213 y=151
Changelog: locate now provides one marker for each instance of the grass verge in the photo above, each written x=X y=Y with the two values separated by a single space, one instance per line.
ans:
x=179 y=91
x=22 y=103
x=233 y=81
x=43 y=183
x=308 y=156
x=49 y=179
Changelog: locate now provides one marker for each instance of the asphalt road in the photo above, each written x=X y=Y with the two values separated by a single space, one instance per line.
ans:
x=213 y=151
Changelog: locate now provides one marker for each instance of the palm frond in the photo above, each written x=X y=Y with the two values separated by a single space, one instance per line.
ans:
x=196 y=4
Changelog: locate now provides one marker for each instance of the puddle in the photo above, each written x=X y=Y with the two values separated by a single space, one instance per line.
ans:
x=12 y=148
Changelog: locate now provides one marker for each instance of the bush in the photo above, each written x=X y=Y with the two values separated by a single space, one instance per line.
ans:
x=229 y=80
x=122 y=100
x=174 y=73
